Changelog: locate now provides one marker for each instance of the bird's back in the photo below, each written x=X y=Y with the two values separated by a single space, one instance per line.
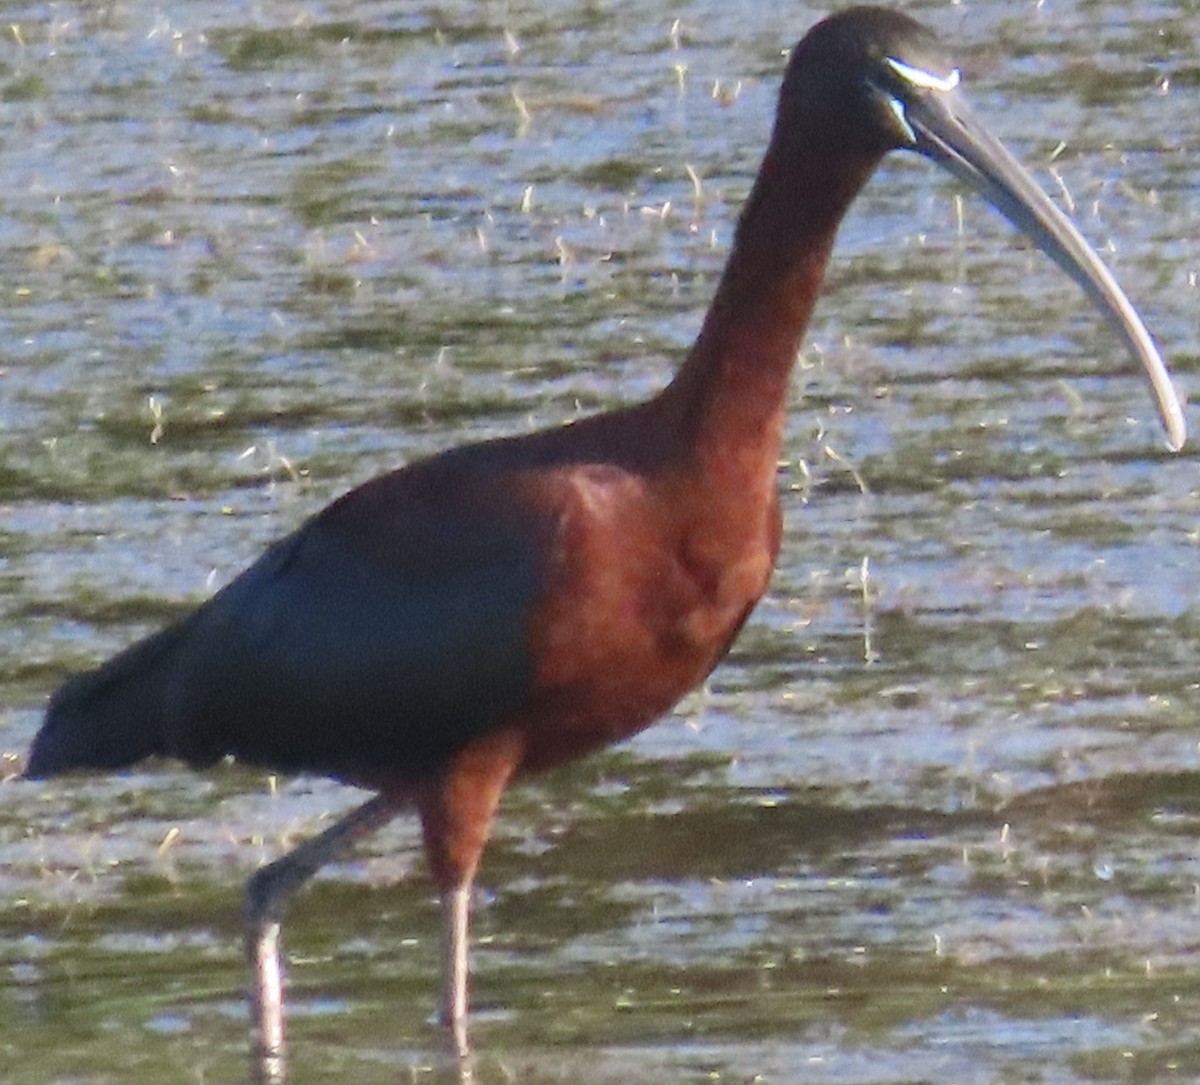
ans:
x=383 y=632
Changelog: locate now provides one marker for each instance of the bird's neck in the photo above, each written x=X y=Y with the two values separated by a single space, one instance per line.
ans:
x=728 y=400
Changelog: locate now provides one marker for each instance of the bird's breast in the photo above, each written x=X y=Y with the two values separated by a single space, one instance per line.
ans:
x=640 y=601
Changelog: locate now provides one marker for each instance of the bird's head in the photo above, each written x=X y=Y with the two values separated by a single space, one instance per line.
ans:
x=867 y=81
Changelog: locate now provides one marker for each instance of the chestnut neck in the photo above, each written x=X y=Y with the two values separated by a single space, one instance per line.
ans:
x=727 y=401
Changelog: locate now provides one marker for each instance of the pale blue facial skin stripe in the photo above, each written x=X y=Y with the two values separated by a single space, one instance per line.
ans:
x=921 y=79
x=918 y=77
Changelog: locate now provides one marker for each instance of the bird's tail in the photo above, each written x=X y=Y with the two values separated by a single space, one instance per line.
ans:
x=110 y=717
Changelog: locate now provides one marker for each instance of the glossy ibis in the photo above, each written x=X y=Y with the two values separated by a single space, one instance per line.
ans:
x=508 y=606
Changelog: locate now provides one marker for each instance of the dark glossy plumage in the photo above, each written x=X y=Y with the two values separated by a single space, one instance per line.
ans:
x=507 y=606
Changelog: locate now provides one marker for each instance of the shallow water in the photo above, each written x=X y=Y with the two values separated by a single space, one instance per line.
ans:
x=936 y=817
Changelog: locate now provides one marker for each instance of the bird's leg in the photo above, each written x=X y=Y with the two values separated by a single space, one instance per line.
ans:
x=456 y=920
x=456 y=819
x=267 y=895
x=266 y=1001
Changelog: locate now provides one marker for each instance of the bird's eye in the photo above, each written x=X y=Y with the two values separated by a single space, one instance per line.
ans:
x=921 y=79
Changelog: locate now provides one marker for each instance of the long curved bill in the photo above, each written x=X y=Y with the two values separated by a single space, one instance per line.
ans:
x=944 y=130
